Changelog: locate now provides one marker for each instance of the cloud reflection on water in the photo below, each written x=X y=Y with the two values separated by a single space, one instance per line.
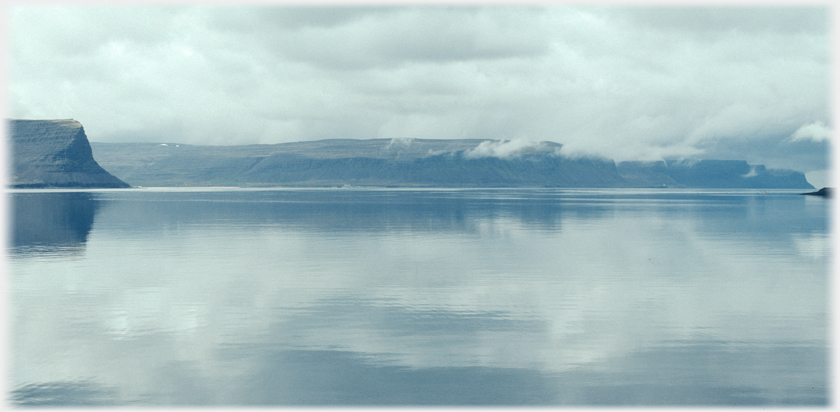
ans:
x=583 y=301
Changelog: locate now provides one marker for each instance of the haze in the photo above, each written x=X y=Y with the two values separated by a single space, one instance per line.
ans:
x=626 y=83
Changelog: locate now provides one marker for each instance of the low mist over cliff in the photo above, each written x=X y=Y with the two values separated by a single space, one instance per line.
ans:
x=418 y=163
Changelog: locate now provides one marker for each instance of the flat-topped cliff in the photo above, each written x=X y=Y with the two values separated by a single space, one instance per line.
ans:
x=418 y=163
x=375 y=162
x=55 y=153
x=711 y=174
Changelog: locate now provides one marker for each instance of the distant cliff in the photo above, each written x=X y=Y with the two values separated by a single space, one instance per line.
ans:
x=338 y=162
x=731 y=174
x=55 y=153
x=417 y=163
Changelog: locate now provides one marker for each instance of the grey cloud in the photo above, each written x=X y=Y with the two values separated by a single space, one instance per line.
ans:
x=261 y=18
x=623 y=83
x=339 y=38
x=722 y=20
x=83 y=30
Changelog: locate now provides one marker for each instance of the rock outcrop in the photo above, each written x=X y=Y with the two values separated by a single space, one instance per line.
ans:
x=55 y=153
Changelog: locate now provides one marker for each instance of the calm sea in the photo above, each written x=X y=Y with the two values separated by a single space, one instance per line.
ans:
x=341 y=297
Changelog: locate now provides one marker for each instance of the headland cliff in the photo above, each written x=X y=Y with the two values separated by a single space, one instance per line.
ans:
x=55 y=154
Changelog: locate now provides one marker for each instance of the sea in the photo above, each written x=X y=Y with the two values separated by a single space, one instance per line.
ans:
x=274 y=297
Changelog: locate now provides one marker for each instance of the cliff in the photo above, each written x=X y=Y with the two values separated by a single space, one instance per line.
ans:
x=55 y=153
x=376 y=162
x=417 y=163
x=729 y=174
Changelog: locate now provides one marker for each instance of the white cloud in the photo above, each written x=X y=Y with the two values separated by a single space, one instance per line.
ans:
x=503 y=148
x=624 y=83
x=816 y=131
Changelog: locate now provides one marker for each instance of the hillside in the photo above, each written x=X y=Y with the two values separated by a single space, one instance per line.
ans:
x=416 y=163
x=711 y=174
x=377 y=162
x=55 y=153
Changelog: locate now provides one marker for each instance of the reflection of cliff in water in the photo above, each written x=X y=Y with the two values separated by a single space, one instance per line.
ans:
x=51 y=222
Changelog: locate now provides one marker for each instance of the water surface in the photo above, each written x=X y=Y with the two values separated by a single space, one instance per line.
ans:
x=338 y=297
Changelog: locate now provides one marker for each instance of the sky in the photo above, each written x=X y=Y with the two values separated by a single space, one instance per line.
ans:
x=622 y=82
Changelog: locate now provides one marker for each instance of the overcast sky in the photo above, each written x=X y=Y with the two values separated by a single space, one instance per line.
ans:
x=620 y=82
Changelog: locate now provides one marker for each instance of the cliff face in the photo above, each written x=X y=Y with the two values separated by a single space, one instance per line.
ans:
x=55 y=153
x=731 y=174
x=376 y=162
x=417 y=163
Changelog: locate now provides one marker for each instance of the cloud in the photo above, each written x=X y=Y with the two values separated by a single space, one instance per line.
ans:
x=721 y=21
x=149 y=320
x=623 y=83
x=369 y=37
x=506 y=149
x=816 y=131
